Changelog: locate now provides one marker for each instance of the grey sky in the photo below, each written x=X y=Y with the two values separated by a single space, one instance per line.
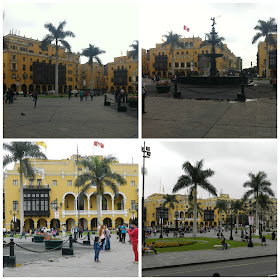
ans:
x=126 y=151
x=110 y=25
x=231 y=161
x=236 y=23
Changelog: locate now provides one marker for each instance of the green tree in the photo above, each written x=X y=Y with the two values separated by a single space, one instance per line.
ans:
x=21 y=152
x=259 y=185
x=221 y=205
x=170 y=199
x=98 y=172
x=266 y=28
x=217 y=38
x=237 y=206
x=199 y=209
x=135 y=50
x=92 y=52
x=195 y=176
x=173 y=39
x=57 y=35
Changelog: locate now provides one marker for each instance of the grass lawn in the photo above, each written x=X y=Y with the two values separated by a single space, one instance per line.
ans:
x=267 y=236
x=203 y=243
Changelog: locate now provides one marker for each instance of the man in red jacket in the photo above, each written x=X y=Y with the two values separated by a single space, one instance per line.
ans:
x=133 y=233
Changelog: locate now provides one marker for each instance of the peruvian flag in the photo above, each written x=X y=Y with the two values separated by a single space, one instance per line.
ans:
x=186 y=28
x=98 y=144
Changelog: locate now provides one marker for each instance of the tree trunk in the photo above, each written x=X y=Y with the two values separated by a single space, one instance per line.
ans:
x=56 y=69
x=257 y=217
x=98 y=202
x=91 y=77
x=195 y=212
x=237 y=221
x=21 y=203
x=267 y=60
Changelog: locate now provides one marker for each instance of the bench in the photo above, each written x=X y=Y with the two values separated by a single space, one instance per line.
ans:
x=220 y=246
x=147 y=251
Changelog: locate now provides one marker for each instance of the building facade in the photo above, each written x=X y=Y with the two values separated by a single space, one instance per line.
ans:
x=26 y=67
x=272 y=56
x=182 y=214
x=51 y=199
x=123 y=73
x=189 y=60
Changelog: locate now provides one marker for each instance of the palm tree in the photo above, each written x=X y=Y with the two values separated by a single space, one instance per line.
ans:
x=21 y=152
x=98 y=172
x=259 y=185
x=237 y=206
x=135 y=49
x=170 y=199
x=92 y=52
x=208 y=37
x=173 y=40
x=195 y=176
x=57 y=35
x=199 y=209
x=221 y=205
x=266 y=28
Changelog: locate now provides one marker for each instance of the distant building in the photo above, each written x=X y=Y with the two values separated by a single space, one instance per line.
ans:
x=189 y=60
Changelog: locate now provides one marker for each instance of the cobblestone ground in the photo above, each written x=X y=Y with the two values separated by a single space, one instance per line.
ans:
x=64 y=118
x=116 y=262
x=210 y=115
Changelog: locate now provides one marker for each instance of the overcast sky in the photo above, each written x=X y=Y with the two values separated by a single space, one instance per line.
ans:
x=231 y=161
x=110 y=25
x=236 y=22
x=126 y=151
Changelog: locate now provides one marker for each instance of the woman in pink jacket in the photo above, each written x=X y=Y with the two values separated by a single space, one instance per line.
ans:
x=133 y=233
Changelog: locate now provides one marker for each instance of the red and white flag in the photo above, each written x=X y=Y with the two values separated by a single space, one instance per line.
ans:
x=98 y=144
x=186 y=28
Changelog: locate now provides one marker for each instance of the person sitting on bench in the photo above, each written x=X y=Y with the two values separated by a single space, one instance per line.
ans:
x=223 y=242
x=152 y=247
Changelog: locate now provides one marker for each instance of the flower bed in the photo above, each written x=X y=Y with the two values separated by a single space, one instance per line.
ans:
x=163 y=86
x=171 y=244
x=132 y=100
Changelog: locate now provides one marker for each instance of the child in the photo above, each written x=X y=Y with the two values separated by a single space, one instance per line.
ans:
x=97 y=248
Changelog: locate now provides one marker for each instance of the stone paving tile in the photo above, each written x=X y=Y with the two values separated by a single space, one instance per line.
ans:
x=64 y=118
x=185 y=118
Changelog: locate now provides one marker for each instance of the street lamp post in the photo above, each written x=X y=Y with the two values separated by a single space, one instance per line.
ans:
x=55 y=208
x=176 y=214
x=161 y=220
x=230 y=210
x=250 y=243
x=146 y=154
x=14 y=213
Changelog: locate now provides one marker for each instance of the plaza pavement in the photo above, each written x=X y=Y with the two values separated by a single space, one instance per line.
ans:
x=114 y=263
x=173 y=259
x=64 y=118
x=210 y=115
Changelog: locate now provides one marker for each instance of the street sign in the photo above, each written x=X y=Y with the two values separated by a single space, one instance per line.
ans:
x=56 y=214
x=251 y=220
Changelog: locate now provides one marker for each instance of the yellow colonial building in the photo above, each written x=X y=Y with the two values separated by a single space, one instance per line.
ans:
x=51 y=199
x=26 y=67
x=272 y=56
x=187 y=60
x=182 y=214
x=123 y=73
x=85 y=76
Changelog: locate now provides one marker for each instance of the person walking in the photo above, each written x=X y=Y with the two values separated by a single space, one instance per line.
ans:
x=102 y=235
x=123 y=232
x=63 y=230
x=107 y=237
x=35 y=97
x=97 y=248
x=81 y=95
x=69 y=93
x=119 y=233
x=80 y=230
x=8 y=94
x=133 y=233
x=91 y=95
x=86 y=95
x=54 y=232
x=23 y=233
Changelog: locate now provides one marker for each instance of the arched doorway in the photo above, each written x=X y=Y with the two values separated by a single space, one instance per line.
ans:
x=69 y=202
x=31 y=88
x=93 y=223
x=70 y=223
x=41 y=223
x=112 y=89
x=24 y=88
x=84 y=223
x=130 y=89
x=49 y=87
x=118 y=221
x=60 y=88
x=119 y=203
x=108 y=222
x=153 y=223
x=70 y=88
x=29 y=224
x=14 y=87
x=44 y=88
x=65 y=88
x=38 y=88
x=55 y=223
